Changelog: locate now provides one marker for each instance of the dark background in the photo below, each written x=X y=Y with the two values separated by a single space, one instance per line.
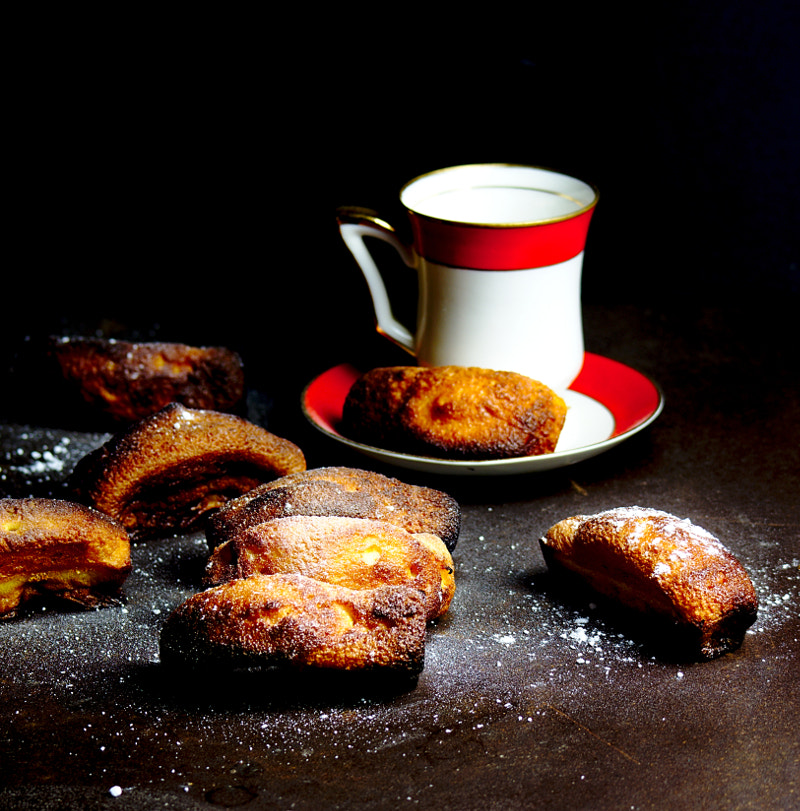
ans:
x=180 y=176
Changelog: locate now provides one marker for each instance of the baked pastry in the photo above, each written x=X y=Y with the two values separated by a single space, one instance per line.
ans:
x=165 y=472
x=453 y=412
x=656 y=563
x=296 y=622
x=55 y=547
x=127 y=381
x=358 y=553
x=340 y=491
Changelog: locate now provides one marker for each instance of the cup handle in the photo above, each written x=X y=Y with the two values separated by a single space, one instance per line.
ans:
x=354 y=225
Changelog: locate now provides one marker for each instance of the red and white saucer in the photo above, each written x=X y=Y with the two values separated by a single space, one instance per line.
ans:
x=607 y=403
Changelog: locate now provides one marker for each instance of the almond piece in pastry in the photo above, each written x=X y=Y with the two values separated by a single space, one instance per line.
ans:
x=656 y=563
x=166 y=472
x=50 y=546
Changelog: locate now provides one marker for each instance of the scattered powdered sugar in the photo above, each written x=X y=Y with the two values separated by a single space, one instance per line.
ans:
x=46 y=460
x=778 y=591
x=581 y=635
x=36 y=461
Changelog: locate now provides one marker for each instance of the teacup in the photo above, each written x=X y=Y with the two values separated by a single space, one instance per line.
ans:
x=498 y=249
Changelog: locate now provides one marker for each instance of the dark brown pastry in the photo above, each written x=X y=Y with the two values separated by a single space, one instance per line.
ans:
x=358 y=553
x=656 y=563
x=296 y=622
x=55 y=547
x=340 y=491
x=164 y=473
x=127 y=381
x=453 y=412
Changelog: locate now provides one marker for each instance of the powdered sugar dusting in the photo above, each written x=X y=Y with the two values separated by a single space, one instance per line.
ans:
x=634 y=520
x=184 y=416
x=36 y=461
x=45 y=460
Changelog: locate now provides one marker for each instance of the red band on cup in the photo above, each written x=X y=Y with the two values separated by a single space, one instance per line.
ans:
x=486 y=247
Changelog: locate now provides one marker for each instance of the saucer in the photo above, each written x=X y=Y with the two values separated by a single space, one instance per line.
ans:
x=606 y=404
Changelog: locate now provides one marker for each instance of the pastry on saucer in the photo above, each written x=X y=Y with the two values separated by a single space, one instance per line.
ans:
x=453 y=412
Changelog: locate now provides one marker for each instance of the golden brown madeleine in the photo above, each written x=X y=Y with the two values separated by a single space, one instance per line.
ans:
x=165 y=472
x=343 y=491
x=358 y=553
x=653 y=562
x=454 y=412
x=51 y=546
x=128 y=381
x=291 y=621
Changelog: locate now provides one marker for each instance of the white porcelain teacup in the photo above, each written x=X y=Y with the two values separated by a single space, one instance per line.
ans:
x=498 y=249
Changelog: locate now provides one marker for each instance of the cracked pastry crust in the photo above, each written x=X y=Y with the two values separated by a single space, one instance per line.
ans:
x=164 y=473
x=341 y=491
x=656 y=563
x=56 y=547
x=453 y=412
x=296 y=622
x=358 y=553
x=127 y=381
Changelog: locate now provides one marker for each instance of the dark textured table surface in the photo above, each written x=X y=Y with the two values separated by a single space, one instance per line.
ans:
x=528 y=698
